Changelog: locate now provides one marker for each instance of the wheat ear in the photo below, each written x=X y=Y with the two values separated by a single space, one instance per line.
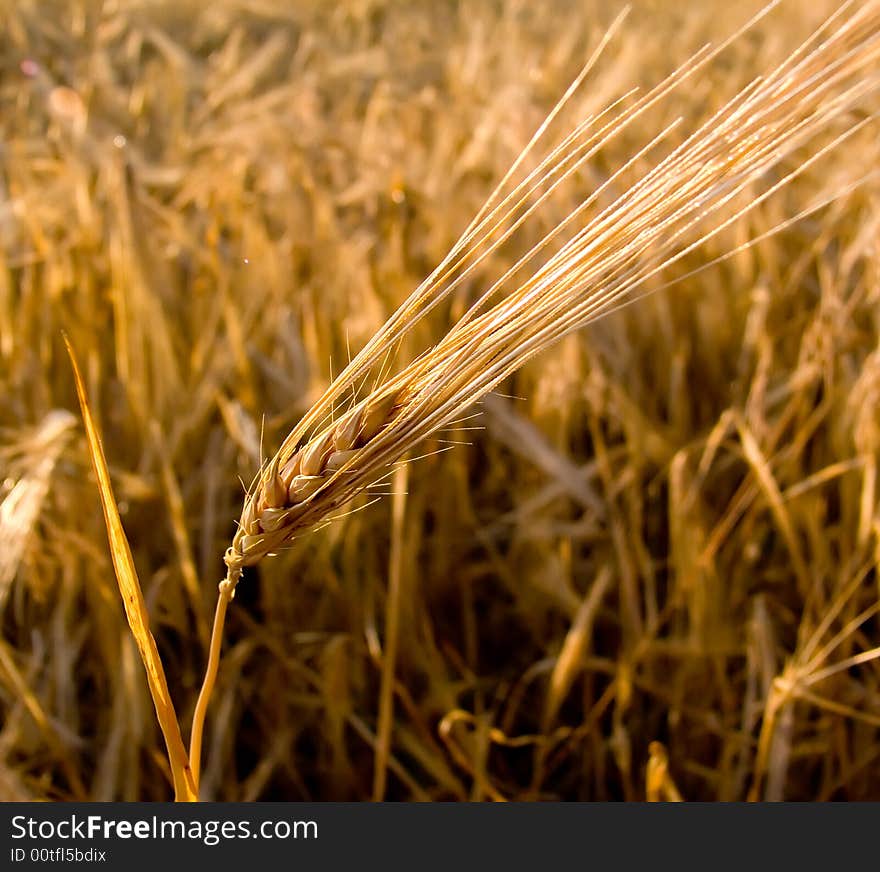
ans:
x=663 y=216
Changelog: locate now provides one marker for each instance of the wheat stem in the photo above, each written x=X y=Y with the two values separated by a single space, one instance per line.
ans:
x=224 y=596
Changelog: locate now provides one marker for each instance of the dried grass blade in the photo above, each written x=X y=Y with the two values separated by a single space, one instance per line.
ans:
x=133 y=600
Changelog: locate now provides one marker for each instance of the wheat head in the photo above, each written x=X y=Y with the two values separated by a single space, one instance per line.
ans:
x=597 y=259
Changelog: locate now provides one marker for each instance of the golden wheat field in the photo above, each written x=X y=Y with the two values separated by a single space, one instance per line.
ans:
x=643 y=565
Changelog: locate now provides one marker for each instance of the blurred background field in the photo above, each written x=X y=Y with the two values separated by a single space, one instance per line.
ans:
x=648 y=571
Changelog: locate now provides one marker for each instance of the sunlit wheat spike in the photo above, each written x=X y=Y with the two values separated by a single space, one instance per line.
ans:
x=602 y=255
x=19 y=509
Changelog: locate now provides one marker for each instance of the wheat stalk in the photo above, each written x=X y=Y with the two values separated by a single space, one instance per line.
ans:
x=600 y=257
